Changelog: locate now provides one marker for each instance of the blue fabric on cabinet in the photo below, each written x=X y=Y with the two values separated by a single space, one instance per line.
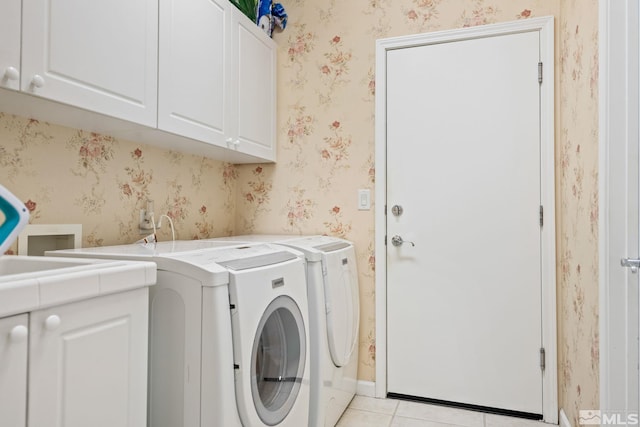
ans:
x=270 y=15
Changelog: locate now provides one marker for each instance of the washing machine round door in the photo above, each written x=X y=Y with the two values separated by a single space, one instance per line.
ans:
x=277 y=360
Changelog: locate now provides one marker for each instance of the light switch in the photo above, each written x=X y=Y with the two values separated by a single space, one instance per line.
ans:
x=364 y=200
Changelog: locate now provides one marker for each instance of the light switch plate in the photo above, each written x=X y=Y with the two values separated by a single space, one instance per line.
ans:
x=364 y=200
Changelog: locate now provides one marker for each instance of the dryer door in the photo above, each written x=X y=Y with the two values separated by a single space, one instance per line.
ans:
x=277 y=360
x=342 y=304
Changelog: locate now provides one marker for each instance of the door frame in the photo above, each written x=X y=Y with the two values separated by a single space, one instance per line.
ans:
x=545 y=26
x=618 y=147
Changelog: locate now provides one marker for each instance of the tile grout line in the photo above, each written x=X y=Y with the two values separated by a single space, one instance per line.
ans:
x=393 y=416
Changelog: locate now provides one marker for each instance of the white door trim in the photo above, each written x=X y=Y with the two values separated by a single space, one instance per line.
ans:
x=549 y=329
x=618 y=145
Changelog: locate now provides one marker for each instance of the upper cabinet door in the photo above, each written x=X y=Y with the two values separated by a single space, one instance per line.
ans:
x=254 y=81
x=10 y=44
x=193 y=95
x=97 y=55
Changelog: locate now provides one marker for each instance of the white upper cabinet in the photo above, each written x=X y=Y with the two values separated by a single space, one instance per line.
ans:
x=216 y=77
x=10 y=44
x=92 y=54
x=253 y=80
x=193 y=95
x=195 y=76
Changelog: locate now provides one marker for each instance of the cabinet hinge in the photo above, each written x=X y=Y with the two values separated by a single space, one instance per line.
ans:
x=540 y=72
x=541 y=215
x=542 y=358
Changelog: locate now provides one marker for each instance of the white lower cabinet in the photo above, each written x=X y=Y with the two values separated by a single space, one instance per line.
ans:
x=87 y=364
x=13 y=370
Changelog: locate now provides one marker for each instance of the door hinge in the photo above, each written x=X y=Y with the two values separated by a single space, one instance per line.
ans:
x=385 y=240
x=542 y=358
x=385 y=210
x=541 y=215
x=540 y=72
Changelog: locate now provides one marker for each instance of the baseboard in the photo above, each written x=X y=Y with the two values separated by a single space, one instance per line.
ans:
x=366 y=388
x=564 y=421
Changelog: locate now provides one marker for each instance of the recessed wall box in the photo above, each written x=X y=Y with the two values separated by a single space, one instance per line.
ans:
x=36 y=239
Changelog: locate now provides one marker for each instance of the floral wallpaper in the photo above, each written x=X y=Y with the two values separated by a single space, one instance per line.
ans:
x=326 y=97
x=577 y=195
x=68 y=176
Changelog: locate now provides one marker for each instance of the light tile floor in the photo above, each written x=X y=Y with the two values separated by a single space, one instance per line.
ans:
x=370 y=412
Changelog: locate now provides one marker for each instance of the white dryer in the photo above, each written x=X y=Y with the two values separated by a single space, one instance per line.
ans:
x=229 y=331
x=334 y=311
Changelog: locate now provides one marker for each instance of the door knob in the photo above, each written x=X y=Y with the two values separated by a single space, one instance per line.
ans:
x=52 y=322
x=37 y=81
x=397 y=210
x=11 y=73
x=18 y=333
x=398 y=241
x=632 y=263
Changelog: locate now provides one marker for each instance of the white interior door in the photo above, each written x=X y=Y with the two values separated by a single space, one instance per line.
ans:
x=463 y=161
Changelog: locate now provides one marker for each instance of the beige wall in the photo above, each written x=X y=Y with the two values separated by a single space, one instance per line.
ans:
x=577 y=207
x=67 y=176
x=326 y=151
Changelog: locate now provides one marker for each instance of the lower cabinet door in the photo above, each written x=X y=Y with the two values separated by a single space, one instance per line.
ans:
x=88 y=363
x=13 y=370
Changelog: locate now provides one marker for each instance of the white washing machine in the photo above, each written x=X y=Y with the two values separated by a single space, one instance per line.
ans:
x=229 y=331
x=334 y=311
